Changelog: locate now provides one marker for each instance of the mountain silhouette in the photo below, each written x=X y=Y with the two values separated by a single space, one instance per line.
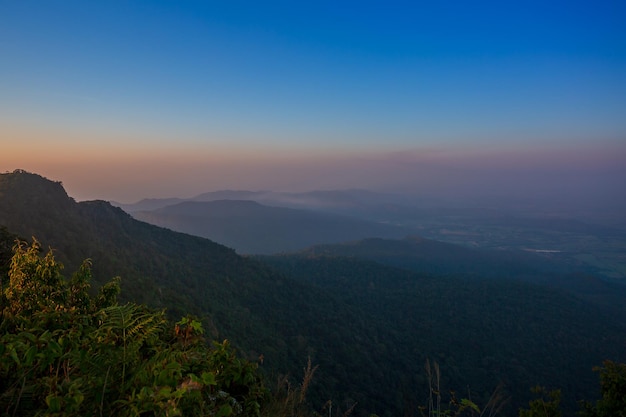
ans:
x=253 y=228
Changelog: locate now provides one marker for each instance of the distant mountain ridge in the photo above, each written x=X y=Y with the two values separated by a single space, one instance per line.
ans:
x=252 y=228
x=332 y=200
x=591 y=242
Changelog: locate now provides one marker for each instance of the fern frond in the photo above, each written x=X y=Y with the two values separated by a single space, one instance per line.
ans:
x=132 y=324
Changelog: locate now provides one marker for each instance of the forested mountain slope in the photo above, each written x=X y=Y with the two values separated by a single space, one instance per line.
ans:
x=422 y=255
x=482 y=331
x=370 y=327
x=263 y=312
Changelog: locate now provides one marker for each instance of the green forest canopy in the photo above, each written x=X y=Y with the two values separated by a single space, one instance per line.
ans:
x=67 y=352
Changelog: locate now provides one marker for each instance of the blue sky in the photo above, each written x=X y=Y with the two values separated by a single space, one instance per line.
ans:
x=258 y=89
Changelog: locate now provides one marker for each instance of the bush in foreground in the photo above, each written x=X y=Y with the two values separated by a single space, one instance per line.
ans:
x=66 y=352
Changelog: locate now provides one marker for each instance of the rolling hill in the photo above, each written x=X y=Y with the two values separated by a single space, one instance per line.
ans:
x=334 y=201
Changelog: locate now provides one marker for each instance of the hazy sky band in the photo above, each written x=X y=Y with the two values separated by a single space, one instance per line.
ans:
x=287 y=80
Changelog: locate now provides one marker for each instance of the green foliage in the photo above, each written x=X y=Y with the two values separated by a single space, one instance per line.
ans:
x=613 y=391
x=65 y=352
x=37 y=287
x=454 y=407
x=289 y=400
x=547 y=405
x=478 y=330
x=611 y=404
x=7 y=239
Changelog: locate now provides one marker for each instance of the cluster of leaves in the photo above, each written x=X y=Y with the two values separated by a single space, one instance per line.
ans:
x=613 y=392
x=66 y=352
x=545 y=404
x=611 y=404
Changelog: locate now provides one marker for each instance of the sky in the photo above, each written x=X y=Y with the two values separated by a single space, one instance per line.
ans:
x=122 y=100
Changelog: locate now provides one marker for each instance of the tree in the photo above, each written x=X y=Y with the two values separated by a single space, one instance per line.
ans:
x=66 y=352
x=613 y=392
x=547 y=405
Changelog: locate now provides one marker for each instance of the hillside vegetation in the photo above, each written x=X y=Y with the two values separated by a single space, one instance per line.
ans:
x=370 y=327
x=66 y=352
x=421 y=255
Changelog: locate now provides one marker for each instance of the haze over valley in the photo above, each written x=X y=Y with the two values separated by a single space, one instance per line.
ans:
x=265 y=222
